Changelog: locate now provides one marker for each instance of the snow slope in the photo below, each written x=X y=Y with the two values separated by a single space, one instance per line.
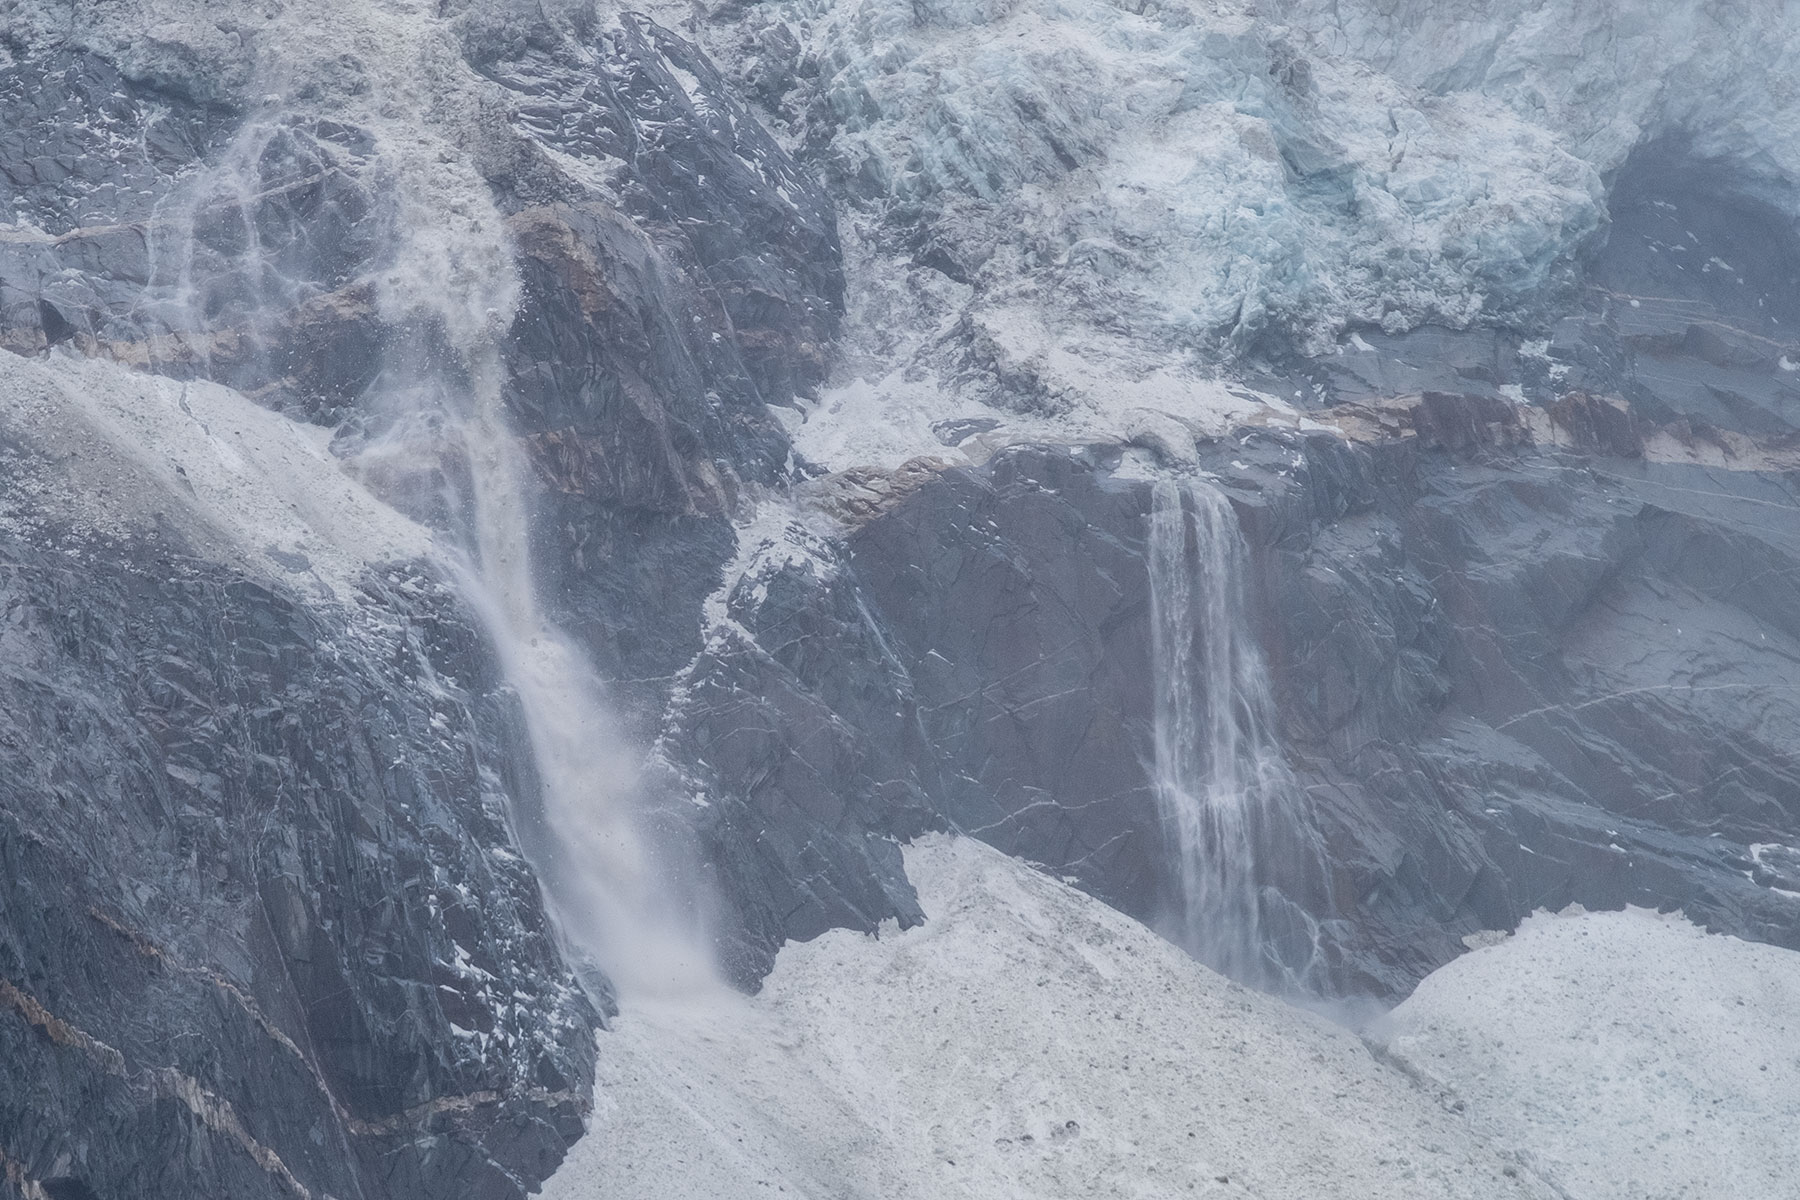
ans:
x=98 y=449
x=1627 y=1055
x=1027 y=1041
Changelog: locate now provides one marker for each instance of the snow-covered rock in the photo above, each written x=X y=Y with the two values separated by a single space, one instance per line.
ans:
x=1604 y=78
x=114 y=453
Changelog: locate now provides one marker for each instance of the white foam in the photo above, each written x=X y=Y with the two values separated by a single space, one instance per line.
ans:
x=1241 y=825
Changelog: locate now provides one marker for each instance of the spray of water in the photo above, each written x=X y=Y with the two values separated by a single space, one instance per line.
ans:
x=1231 y=807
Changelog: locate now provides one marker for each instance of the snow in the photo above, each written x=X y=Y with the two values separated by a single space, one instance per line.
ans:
x=1628 y=1055
x=900 y=382
x=111 y=452
x=1030 y=1042
x=1027 y=1041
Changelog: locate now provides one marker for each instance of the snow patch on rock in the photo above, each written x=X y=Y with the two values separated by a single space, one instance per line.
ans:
x=103 y=451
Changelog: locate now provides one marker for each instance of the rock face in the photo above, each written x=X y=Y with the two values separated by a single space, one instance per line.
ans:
x=268 y=928
x=1457 y=604
x=681 y=277
x=259 y=911
x=1508 y=679
x=1520 y=521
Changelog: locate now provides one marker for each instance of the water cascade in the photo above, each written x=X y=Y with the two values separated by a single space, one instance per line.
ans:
x=419 y=232
x=603 y=878
x=1235 y=816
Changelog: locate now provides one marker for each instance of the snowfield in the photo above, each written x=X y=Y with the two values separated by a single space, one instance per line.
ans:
x=1030 y=1042
x=1628 y=1055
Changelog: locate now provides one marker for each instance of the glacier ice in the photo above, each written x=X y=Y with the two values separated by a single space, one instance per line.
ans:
x=1055 y=200
x=1196 y=171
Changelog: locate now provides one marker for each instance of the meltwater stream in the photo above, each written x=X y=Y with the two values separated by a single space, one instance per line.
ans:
x=1236 y=817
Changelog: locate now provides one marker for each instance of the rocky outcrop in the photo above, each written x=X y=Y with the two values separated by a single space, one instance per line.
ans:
x=681 y=274
x=260 y=909
x=1508 y=680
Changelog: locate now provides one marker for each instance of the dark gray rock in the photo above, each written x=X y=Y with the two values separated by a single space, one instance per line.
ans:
x=1508 y=679
x=372 y=916
x=180 y=237
x=702 y=179
x=663 y=312
x=263 y=923
x=1017 y=597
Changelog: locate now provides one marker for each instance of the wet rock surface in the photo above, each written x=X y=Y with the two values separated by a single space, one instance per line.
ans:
x=1509 y=680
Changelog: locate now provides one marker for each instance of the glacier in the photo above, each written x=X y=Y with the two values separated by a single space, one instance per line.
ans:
x=863 y=423
x=1078 y=209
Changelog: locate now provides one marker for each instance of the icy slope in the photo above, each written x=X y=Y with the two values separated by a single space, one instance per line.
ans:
x=1081 y=207
x=1193 y=168
x=1027 y=1041
x=1627 y=1054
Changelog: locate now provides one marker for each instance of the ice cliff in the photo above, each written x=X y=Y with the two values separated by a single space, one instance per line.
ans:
x=1084 y=197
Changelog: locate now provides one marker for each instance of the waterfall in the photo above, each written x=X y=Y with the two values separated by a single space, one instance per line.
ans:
x=438 y=263
x=599 y=870
x=1234 y=814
